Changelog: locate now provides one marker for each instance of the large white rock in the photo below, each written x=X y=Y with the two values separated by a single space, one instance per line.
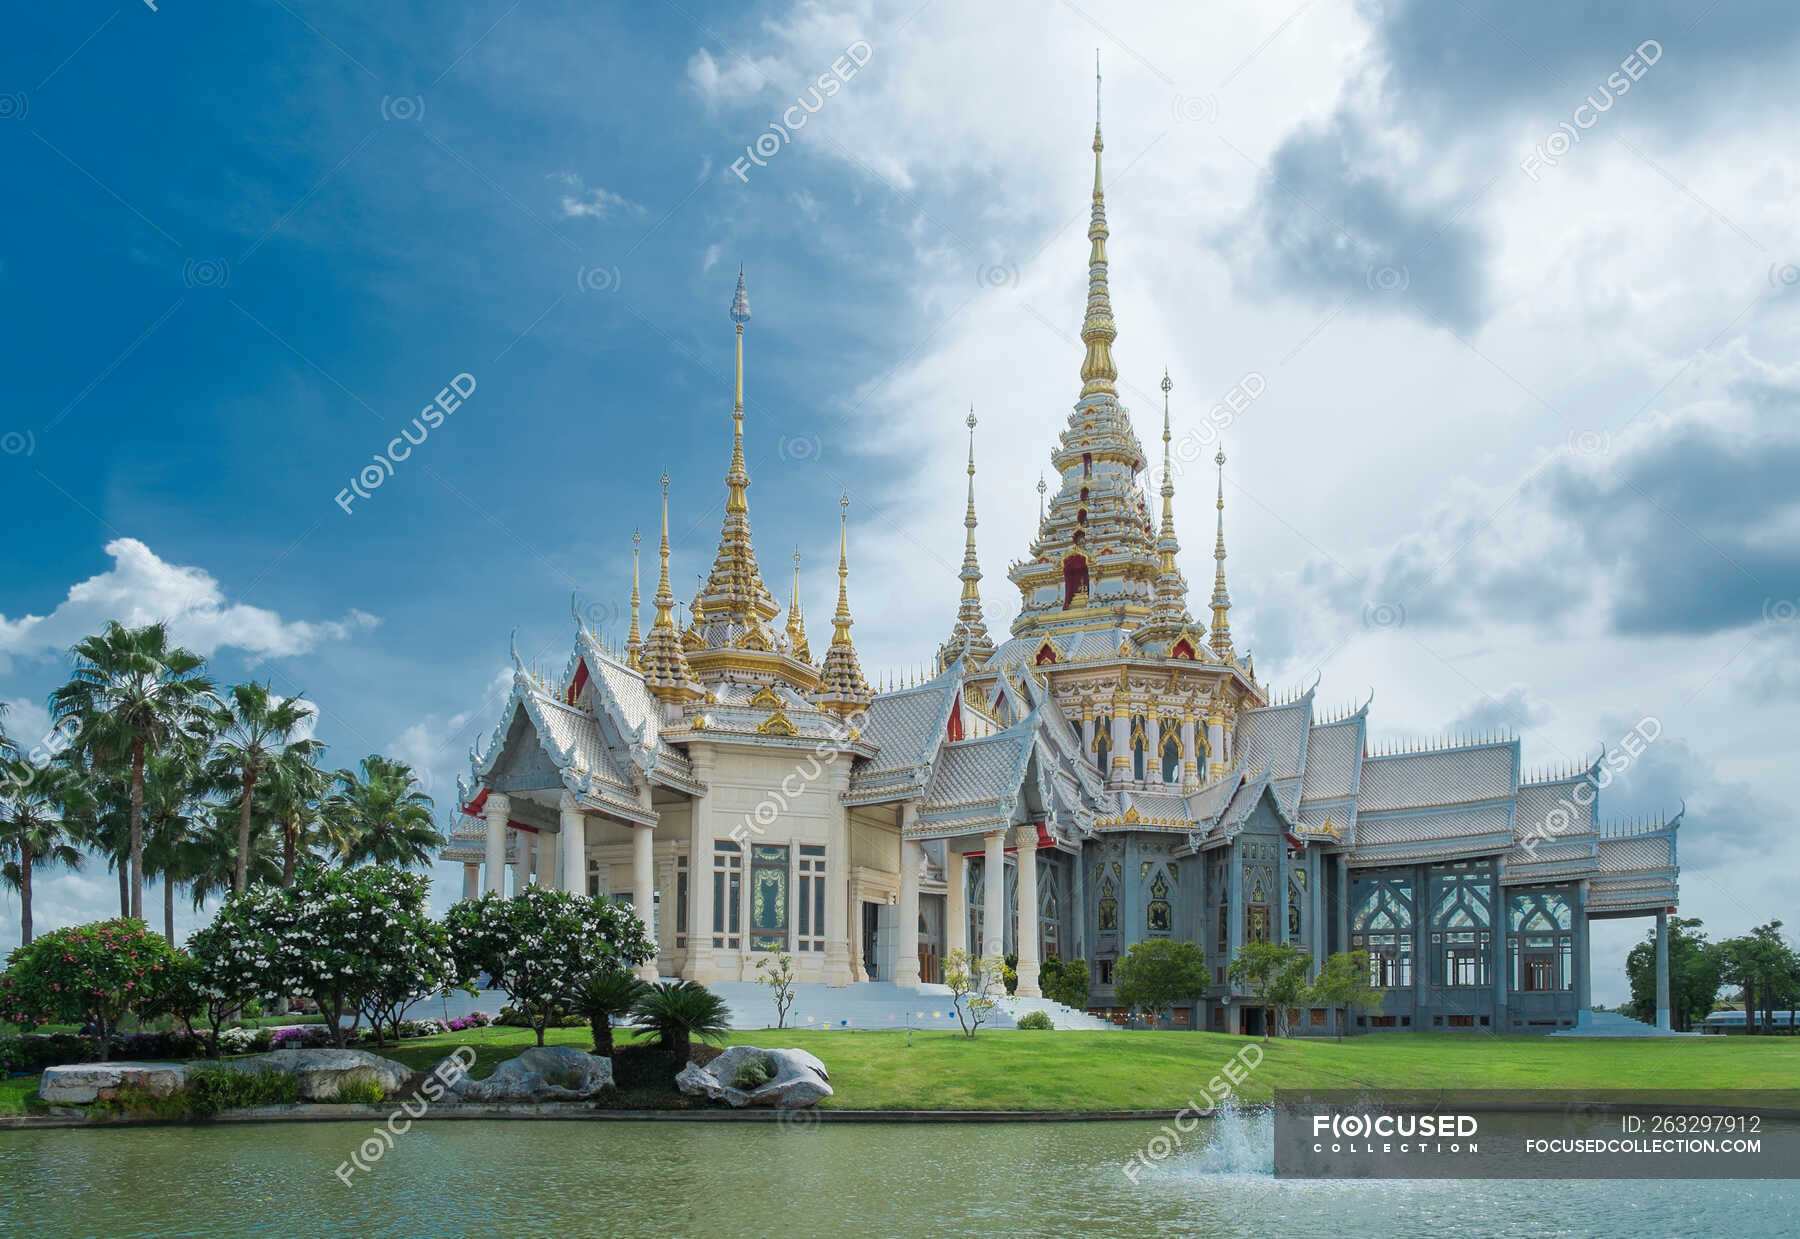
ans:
x=78 y=1084
x=800 y=1079
x=323 y=1072
x=542 y=1073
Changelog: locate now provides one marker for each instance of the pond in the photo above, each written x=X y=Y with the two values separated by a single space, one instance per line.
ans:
x=843 y=1180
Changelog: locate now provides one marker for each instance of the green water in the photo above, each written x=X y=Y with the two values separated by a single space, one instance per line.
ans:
x=840 y=1180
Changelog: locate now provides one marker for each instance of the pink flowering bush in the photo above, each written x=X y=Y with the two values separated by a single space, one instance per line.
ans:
x=86 y=974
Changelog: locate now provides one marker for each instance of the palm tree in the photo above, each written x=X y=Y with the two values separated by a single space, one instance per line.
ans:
x=679 y=1011
x=608 y=992
x=173 y=788
x=382 y=815
x=131 y=693
x=209 y=858
x=292 y=795
x=255 y=727
x=32 y=803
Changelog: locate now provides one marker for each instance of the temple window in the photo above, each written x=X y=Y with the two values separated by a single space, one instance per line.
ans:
x=1109 y=898
x=1139 y=743
x=1540 y=947
x=1102 y=741
x=1075 y=577
x=1087 y=464
x=1461 y=916
x=1084 y=494
x=768 y=897
x=811 y=901
x=1159 y=918
x=728 y=895
x=1171 y=754
x=1381 y=925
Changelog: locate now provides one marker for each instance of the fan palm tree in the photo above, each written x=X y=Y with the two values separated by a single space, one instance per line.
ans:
x=209 y=858
x=32 y=803
x=607 y=992
x=173 y=788
x=382 y=815
x=679 y=1011
x=255 y=727
x=292 y=795
x=129 y=694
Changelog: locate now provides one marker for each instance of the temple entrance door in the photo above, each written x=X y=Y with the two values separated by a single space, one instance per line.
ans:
x=870 y=937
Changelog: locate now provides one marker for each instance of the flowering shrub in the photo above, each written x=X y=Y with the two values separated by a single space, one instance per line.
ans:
x=474 y=1019
x=350 y=939
x=87 y=974
x=300 y=1037
x=244 y=1040
x=541 y=944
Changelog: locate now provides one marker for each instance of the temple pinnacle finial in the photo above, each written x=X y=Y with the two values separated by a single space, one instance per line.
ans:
x=842 y=688
x=633 y=640
x=1221 y=599
x=1097 y=330
x=1042 y=487
x=796 y=625
x=969 y=635
x=661 y=660
x=665 y=596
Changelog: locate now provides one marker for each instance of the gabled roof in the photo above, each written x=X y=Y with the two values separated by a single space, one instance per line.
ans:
x=907 y=729
x=1465 y=774
x=630 y=717
x=1274 y=737
x=1638 y=869
x=570 y=738
x=1553 y=825
x=975 y=785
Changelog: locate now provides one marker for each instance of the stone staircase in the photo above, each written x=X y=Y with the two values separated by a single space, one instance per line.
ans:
x=881 y=1005
x=1614 y=1024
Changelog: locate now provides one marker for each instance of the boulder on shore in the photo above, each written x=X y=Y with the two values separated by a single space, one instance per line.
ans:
x=798 y=1079
x=322 y=1073
x=541 y=1073
x=79 y=1084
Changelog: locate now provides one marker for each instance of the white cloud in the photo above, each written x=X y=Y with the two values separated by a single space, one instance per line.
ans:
x=736 y=82
x=710 y=259
x=142 y=588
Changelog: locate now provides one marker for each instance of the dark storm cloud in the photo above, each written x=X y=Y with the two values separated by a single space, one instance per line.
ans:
x=1337 y=216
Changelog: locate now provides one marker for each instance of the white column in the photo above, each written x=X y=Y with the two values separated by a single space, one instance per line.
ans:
x=956 y=912
x=1190 y=762
x=498 y=809
x=574 y=847
x=1153 y=754
x=1025 y=933
x=1215 y=741
x=643 y=888
x=666 y=920
x=839 y=969
x=1662 y=974
x=1121 y=743
x=1087 y=733
x=906 y=946
x=543 y=851
x=993 y=895
x=471 y=879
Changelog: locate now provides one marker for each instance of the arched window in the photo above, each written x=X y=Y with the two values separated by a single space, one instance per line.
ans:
x=1084 y=494
x=1182 y=650
x=1046 y=654
x=1081 y=516
x=1075 y=577
x=1102 y=742
x=1087 y=464
x=1109 y=897
x=1139 y=743
x=1159 y=914
x=1171 y=754
x=1539 y=945
x=1381 y=925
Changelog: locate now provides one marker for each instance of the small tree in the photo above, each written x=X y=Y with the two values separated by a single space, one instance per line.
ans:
x=1343 y=984
x=86 y=974
x=679 y=1011
x=1273 y=972
x=1157 y=974
x=1065 y=981
x=353 y=940
x=974 y=983
x=420 y=967
x=214 y=980
x=778 y=975
x=541 y=945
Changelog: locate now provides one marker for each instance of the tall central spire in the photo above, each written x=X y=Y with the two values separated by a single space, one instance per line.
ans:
x=734 y=595
x=1097 y=330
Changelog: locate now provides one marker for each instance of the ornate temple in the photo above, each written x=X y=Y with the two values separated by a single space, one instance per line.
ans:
x=1111 y=772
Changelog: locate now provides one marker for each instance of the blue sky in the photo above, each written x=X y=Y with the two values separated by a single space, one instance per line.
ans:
x=1546 y=415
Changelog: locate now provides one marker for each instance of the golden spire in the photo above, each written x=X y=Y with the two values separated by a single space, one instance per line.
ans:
x=662 y=662
x=796 y=625
x=633 y=640
x=735 y=591
x=843 y=689
x=1171 y=587
x=1097 y=331
x=969 y=635
x=1221 y=600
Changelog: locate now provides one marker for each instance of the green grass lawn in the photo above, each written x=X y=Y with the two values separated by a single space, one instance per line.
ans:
x=1009 y=1070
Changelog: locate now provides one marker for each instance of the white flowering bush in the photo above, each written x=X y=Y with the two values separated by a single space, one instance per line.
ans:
x=238 y=1040
x=357 y=941
x=541 y=945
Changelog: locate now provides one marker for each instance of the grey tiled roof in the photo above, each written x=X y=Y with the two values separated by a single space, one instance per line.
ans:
x=1445 y=832
x=1274 y=737
x=1438 y=777
x=1333 y=753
